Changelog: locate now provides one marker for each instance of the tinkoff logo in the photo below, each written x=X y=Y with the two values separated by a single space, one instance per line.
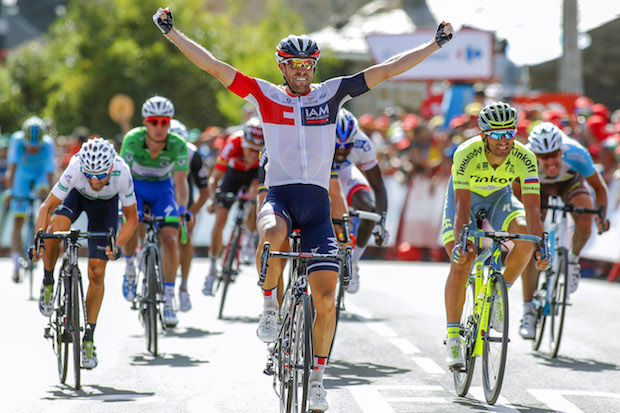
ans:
x=316 y=115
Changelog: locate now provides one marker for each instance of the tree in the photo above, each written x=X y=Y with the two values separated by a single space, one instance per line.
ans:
x=101 y=48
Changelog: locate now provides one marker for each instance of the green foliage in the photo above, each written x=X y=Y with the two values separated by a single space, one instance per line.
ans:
x=100 y=48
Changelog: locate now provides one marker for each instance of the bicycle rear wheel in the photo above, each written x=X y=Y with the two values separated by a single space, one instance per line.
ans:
x=60 y=335
x=150 y=322
x=558 y=303
x=495 y=344
x=301 y=358
x=540 y=296
x=462 y=378
x=75 y=325
x=230 y=256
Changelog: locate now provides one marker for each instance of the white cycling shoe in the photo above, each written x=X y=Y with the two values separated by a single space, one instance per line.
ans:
x=317 y=402
x=267 y=329
x=185 y=303
x=454 y=358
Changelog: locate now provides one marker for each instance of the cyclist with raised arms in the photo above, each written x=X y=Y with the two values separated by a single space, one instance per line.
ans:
x=299 y=120
x=482 y=170
x=30 y=169
x=236 y=167
x=564 y=167
x=158 y=162
x=197 y=176
x=94 y=181
x=355 y=161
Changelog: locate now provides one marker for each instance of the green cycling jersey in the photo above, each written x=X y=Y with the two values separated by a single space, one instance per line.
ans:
x=472 y=170
x=143 y=166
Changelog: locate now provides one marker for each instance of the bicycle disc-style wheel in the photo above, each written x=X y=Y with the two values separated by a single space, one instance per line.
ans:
x=462 y=378
x=75 y=325
x=59 y=323
x=151 y=304
x=232 y=250
x=302 y=357
x=495 y=344
x=540 y=296
x=558 y=303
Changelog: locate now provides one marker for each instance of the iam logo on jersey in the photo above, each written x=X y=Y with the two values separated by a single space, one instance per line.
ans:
x=316 y=115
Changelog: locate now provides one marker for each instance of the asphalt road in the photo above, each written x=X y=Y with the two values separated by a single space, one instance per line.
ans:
x=388 y=355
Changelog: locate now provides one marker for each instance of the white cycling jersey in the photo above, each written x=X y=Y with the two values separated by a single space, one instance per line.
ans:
x=362 y=154
x=300 y=131
x=120 y=182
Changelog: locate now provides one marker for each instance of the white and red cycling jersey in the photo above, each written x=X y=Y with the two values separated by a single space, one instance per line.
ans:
x=231 y=155
x=300 y=131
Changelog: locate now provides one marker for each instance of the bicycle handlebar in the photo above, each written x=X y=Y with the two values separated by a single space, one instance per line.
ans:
x=575 y=209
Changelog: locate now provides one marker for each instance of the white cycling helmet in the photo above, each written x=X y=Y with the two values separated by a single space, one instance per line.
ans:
x=158 y=106
x=545 y=138
x=179 y=128
x=497 y=115
x=253 y=134
x=34 y=129
x=346 y=126
x=96 y=155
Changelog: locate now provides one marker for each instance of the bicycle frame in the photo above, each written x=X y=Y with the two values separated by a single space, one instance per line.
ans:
x=295 y=312
x=65 y=319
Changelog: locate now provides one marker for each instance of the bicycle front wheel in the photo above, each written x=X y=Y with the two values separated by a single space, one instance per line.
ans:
x=540 y=297
x=462 y=378
x=60 y=334
x=495 y=344
x=75 y=325
x=152 y=287
x=230 y=256
x=339 y=307
x=302 y=357
x=558 y=303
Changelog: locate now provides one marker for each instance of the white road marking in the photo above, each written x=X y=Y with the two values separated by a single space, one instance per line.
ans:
x=502 y=405
x=404 y=345
x=428 y=365
x=555 y=398
x=371 y=401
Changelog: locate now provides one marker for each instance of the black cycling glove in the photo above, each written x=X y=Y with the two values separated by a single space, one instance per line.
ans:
x=440 y=37
x=163 y=19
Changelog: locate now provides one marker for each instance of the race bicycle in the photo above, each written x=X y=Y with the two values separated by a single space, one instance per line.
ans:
x=25 y=261
x=65 y=324
x=231 y=257
x=484 y=320
x=150 y=295
x=551 y=296
x=291 y=356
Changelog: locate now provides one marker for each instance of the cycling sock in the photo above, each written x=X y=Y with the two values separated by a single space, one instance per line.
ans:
x=48 y=277
x=183 y=286
x=572 y=258
x=90 y=332
x=130 y=266
x=357 y=253
x=319 y=368
x=169 y=289
x=15 y=256
x=454 y=330
x=528 y=307
x=271 y=298
x=508 y=285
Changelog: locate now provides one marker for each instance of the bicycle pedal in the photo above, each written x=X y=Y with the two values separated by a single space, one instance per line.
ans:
x=269 y=370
